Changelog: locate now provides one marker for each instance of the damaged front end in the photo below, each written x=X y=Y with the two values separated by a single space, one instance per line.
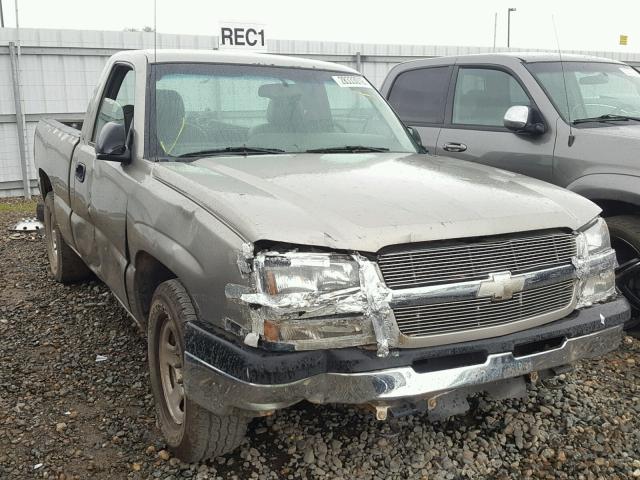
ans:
x=314 y=300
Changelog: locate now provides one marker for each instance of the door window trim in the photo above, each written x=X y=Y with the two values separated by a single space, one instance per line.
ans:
x=107 y=90
x=448 y=115
x=450 y=67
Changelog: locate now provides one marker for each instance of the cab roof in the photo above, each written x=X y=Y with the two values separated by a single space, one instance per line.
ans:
x=532 y=57
x=505 y=58
x=236 y=57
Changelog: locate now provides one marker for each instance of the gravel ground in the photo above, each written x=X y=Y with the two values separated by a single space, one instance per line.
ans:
x=64 y=415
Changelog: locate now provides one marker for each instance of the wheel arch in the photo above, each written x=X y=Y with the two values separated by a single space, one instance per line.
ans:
x=615 y=194
x=155 y=258
x=147 y=274
x=45 y=183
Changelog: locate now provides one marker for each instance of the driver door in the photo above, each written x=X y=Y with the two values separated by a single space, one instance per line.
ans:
x=474 y=127
x=99 y=188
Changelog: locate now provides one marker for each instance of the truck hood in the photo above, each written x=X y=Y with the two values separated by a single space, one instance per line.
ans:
x=366 y=201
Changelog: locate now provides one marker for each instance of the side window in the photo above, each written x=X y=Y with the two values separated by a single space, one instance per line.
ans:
x=483 y=95
x=420 y=95
x=118 y=101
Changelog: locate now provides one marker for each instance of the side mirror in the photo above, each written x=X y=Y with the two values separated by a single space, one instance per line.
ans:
x=113 y=144
x=415 y=135
x=523 y=119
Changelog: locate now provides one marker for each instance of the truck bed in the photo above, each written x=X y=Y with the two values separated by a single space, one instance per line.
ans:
x=53 y=150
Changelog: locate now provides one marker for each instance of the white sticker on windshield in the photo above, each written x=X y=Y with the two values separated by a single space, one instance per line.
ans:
x=351 y=81
x=629 y=71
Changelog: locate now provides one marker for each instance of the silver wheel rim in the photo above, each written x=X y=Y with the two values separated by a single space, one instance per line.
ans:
x=170 y=358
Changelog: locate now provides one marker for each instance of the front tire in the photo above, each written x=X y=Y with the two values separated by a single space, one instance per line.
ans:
x=66 y=266
x=192 y=433
x=625 y=239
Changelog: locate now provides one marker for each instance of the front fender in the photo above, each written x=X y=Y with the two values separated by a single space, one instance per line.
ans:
x=189 y=241
x=608 y=186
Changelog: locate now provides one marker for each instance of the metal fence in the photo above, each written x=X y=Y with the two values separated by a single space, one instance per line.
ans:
x=53 y=74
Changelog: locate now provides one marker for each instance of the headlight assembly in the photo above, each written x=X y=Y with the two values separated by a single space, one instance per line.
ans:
x=312 y=273
x=312 y=299
x=595 y=265
x=595 y=237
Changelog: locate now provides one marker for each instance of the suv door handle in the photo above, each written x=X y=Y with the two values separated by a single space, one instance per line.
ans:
x=454 y=147
x=80 y=172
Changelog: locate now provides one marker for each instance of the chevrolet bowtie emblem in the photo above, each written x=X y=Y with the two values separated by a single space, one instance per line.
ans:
x=501 y=286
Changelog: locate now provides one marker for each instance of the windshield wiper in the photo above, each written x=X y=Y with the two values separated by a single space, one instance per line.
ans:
x=348 y=149
x=222 y=151
x=606 y=118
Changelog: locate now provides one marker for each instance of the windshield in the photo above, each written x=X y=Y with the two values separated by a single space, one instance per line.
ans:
x=248 y=109
x=593 y=89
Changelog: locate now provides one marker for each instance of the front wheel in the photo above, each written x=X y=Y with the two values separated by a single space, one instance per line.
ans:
x=192 y=433
x=625 y=239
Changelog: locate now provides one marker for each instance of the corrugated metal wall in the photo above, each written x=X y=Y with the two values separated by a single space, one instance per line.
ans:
x=58 y=70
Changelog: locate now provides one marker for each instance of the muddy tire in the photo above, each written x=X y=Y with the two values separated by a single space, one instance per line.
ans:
x=40 y=211
x=625 y=238
x=192 y=433
x=66 y=266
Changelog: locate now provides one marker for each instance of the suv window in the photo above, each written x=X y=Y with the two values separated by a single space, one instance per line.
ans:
x=117 y=103
x=420 y=95
x=483 y=95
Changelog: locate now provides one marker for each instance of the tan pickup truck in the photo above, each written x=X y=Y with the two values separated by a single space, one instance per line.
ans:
x=280 y=236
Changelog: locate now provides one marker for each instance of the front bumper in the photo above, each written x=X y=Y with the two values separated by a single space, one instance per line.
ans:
x=222 y=377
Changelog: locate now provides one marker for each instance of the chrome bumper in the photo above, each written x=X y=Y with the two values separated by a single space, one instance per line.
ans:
x=219 y=392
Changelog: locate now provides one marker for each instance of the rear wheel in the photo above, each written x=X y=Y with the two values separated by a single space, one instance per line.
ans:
x=66 y=266
x=625 y=238
x=192 y=433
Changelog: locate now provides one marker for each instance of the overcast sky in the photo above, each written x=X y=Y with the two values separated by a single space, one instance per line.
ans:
x=580 y=25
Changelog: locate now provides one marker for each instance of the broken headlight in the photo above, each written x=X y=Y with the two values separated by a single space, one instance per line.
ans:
x=595 y=264
x=312 y=299
x=311 y=273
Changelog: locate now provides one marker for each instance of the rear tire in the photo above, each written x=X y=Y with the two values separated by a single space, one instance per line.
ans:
x=625 y=238
x=66 y=266
x=40 y=211
x=192 y=433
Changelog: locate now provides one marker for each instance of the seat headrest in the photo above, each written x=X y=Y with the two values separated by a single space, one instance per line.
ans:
x=169 y=115
x=170 y=103
x=285 y=112
x=279 y=90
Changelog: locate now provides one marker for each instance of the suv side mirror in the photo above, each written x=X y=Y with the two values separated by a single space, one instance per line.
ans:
x=523 y=119
x=113 y=143
x=415 y=135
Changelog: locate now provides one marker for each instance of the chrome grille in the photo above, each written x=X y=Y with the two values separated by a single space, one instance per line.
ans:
x=473 y=261
x=468 y=315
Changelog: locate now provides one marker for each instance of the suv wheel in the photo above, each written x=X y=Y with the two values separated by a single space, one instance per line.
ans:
x=192 y=433
x=625 y=238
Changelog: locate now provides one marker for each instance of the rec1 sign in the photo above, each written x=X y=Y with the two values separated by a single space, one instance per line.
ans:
x=248 y=36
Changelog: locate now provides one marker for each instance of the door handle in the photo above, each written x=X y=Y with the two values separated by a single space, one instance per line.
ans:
x=454 y=147
x=80 y=171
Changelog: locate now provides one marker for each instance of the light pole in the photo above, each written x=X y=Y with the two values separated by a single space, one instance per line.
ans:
x=495 y=29
x=1 y=16
x=509 y=26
